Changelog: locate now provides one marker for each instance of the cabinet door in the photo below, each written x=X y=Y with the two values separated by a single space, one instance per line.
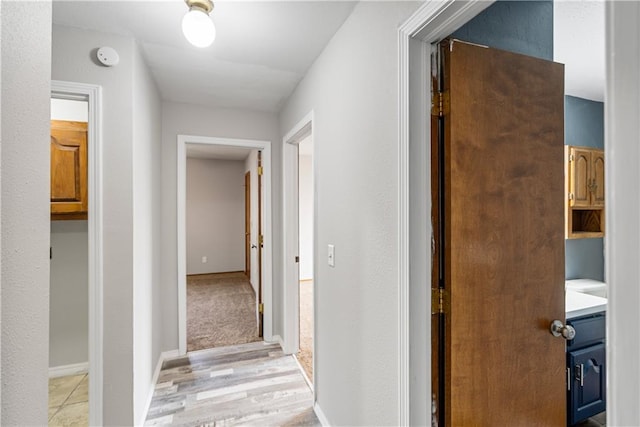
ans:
x=588 y=386
x=597 y=178
x=579 y=177
x=68 y=168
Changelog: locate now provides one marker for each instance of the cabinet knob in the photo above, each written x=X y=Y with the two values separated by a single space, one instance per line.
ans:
x=565 y=331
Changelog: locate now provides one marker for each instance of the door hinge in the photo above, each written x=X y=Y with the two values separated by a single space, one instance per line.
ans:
x=572 y=157
x=440 y=104
x=439 y=301
x=261 y=239
x=261 y=308
x=260 y=170
x=297 y=258
x=571 y=196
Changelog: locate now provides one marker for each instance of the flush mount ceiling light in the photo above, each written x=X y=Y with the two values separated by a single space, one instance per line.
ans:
x=197 y=26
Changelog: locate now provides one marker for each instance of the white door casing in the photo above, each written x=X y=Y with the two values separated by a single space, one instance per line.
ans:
x=267 y=254
x=93 y=95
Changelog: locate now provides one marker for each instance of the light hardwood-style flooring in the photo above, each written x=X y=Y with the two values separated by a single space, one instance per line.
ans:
x=247 y=384
x=69 y=401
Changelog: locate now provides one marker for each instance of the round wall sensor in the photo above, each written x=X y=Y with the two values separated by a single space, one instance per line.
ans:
x=108 y=56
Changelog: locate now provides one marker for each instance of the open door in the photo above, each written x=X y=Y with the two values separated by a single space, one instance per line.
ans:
x=260 y=246
x=497 y=156
x=247 y=224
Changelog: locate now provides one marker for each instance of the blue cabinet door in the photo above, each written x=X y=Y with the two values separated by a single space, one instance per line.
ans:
x=588 y=382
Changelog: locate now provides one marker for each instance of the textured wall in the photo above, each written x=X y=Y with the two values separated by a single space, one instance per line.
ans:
x=215 y=216
x=72 y=61
x=147 y=235
x=353 y=90
x=584 y=125
x=25 y=45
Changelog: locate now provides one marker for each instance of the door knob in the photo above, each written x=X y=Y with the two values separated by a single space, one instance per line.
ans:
x=566 y=331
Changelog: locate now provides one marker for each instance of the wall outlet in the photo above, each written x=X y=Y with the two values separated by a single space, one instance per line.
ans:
x=331 y=256
x=204 y=259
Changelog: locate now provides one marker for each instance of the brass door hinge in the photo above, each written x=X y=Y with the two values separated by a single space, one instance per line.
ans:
x=571 y=196
x=440 y=301
x=260 y=170
x=261 y=308
x=440 y=103
x=261 y=239
x=572 y=157
x=297 y=258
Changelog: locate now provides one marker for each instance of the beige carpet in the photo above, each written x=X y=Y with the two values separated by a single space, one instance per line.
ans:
x=305 y=355
x=221 y=311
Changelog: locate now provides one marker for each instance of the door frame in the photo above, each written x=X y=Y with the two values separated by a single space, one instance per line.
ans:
x=267 y=259
x=92 y=94
x=290 y=238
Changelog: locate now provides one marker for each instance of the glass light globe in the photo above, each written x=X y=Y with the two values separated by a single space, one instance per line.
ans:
x=198 y=28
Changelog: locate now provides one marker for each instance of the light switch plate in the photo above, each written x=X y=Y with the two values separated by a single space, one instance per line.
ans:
x=331 y=256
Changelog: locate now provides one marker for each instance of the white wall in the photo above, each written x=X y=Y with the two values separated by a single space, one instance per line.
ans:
x=69 y=298
x=305 y=204
x=197 y=120
x=125 y=148
x=25 y=49
x=69 y=275
x=353 y=90
x=147 y=237
x=622 y=240
x=215 y=216
x=251 y=166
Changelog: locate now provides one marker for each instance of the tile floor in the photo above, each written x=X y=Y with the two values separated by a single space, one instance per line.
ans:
x=69 y=401
x=599 y=420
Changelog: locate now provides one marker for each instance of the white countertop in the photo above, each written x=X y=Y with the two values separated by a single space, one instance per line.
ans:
x=579 y=304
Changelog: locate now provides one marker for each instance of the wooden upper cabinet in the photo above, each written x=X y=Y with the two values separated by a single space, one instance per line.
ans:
x=68 y=170
x=597 y=176
x=585 y=187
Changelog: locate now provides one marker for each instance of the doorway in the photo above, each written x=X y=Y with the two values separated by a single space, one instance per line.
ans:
x=76 y=256
x=192 y=258
x=300 y=231
x=305 y=251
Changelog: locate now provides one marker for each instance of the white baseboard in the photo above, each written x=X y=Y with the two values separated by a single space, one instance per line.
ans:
x=275 y=338
x=154 y=379
x=65 y=370
x=321 y=416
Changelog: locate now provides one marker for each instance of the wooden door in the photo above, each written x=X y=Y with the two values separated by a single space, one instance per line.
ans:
x=499 y=214
x=580 y=181
x=597 y=178
x=68 y=170
x=260 y=246
x=247 y=224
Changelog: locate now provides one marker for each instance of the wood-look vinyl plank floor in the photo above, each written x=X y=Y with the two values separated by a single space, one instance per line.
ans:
x=247 y=384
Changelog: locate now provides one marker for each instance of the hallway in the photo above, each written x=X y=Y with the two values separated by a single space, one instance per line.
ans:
x=248 y=384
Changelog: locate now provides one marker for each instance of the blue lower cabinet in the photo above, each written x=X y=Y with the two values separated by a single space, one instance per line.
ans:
x=586 y=370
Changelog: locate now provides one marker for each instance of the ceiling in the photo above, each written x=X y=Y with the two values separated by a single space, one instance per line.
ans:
x=578 y=33
x=262 y=48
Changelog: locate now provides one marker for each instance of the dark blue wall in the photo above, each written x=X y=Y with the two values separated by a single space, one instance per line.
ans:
x=527 y=27
x=584 y=126
x=516 y=26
